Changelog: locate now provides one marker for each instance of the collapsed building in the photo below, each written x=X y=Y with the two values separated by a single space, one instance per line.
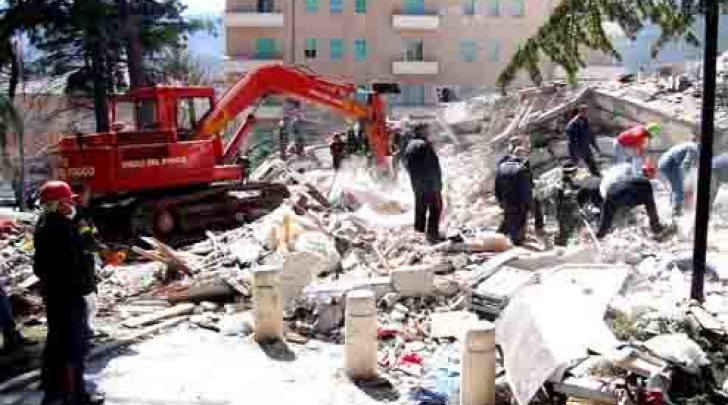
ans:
x=607 y=322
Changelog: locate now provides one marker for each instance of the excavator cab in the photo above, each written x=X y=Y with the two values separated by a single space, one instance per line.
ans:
x=177 y=110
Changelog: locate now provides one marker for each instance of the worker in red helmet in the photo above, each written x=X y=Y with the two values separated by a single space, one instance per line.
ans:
x=66 y=277
x=627 y=193
x=631 y=144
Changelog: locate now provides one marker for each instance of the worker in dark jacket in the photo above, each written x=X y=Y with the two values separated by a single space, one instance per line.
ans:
x=66 y=275
x=12 y=339
x=514 y=193
x=630 y=192
x=582 y=140
x=337 y=147
x=425 y=173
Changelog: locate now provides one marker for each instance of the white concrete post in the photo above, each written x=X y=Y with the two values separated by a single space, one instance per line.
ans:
x=477 y=373
x=360 y=335
x=268 y=305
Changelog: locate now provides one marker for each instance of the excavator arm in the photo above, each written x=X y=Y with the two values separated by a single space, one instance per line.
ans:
x=291 y=82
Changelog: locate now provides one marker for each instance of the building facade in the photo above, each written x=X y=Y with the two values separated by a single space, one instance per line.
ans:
x=434 y=48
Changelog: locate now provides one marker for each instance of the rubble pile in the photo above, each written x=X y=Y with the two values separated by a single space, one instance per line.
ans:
x=604 y=321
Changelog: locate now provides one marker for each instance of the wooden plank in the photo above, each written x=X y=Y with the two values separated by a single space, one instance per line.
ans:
x=144 y=320
x=170 y=253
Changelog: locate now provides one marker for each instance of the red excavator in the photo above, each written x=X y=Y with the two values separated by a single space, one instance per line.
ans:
x=171 y=171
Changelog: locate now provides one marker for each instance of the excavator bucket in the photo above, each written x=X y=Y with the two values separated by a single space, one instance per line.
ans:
x=386 y=88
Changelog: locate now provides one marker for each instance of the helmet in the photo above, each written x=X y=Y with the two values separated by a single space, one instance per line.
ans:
x=55 y=191
x=654 y=128
x=649 y=169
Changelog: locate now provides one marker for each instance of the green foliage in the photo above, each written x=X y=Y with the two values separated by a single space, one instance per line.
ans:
x=576 y=26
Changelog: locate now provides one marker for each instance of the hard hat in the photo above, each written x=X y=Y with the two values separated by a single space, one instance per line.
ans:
x=654 y=128
x=649 y=169
x=56 y=191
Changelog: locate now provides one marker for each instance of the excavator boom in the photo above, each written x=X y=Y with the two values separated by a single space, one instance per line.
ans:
x=296 y=83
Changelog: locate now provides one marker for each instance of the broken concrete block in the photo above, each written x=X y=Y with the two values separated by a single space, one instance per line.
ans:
x=413 y=281
x=240 y=324
x=451 y=324
x=297 y=272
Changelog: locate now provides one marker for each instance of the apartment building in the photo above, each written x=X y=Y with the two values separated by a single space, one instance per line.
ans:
x=433 y=48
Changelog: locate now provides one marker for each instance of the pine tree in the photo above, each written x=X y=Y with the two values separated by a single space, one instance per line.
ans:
x=577 y=26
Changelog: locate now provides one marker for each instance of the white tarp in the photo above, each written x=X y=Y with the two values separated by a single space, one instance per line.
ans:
x=547 y=326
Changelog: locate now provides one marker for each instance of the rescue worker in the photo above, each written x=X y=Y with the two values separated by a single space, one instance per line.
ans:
x=567 y=204
x=514 y=193
x=720 y=175
x=581 y=140
x=12 y=339
x=613 y=175
x=66 y=276
x=632 y=144
x=628 y=193
x=283 y=138
x=425 y=173
x=337 y=147
x=673 y=164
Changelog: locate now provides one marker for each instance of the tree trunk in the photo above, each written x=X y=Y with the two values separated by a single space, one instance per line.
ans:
x=134 y=52
x=14 y=72
x=101 y=102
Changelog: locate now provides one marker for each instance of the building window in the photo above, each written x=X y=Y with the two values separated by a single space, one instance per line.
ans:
x=265 y=48
x=468 y=50
x=518 y=8
x=265 y=6
x=309 y=51
x=360 y=50
x=360 y=6
x=336 y=48
x=494 y=50
x=336 y=6
x=412 y=96
x=312 y=6
x=414 y=6
x=469 y=7
x=494 y=8
x=413 y=50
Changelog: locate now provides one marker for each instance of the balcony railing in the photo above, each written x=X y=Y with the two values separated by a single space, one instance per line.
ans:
x=252 y=20
x=244 y=63
x=416 y=19
x=415 y=68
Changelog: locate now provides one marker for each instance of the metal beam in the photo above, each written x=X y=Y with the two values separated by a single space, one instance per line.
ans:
x=706 y=149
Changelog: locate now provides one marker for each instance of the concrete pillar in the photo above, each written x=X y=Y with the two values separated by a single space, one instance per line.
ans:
x=477 y=373
x=360 y=335
x=268 y=305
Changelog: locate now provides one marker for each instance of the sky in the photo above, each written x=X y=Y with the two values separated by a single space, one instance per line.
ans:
x=195 y=7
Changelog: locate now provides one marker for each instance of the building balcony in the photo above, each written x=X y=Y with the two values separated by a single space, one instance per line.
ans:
x=423 y=21
x=253 y=19
x=415 y=68
x=241 y=64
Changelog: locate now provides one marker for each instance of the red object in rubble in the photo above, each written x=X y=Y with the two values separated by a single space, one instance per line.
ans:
x=386 y=333
x=411 y=358
x=7 y=227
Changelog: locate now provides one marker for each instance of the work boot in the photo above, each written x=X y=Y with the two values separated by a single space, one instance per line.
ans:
x=677 y=211
x=93 y=399
x=663 y=231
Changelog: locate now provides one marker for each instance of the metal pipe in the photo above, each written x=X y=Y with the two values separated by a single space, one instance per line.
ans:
x=706 y=150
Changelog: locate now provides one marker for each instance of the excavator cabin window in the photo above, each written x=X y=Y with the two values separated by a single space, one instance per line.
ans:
x=189 y=112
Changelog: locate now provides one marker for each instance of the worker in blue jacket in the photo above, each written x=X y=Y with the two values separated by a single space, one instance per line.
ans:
x=582 y=140
x=514 y=193
x=720 y=175
x=673 y=165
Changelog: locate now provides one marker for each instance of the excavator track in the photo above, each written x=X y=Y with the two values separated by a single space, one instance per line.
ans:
x=182 y=216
